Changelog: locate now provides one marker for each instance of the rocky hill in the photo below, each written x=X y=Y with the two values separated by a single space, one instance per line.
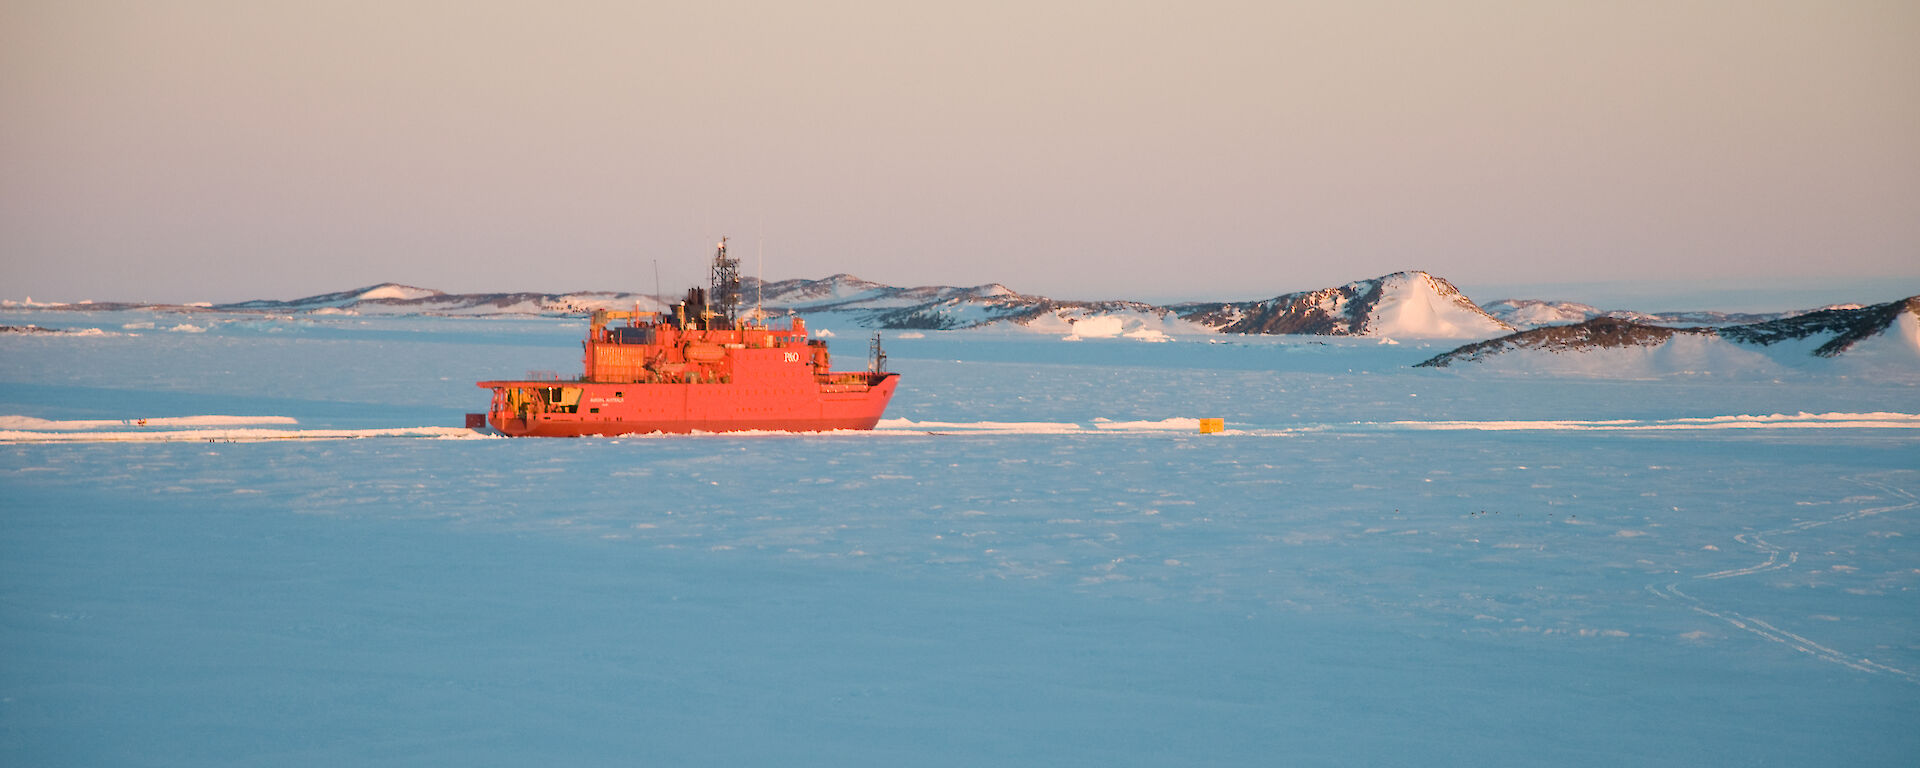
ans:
x=1531 y=313
x=1403 y=304
x=1889 y=331
x=874 y=305
x=1598 y=333
x=1834 y=330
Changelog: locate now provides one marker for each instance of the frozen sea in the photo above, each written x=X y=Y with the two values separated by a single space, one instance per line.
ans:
x=1035 y=561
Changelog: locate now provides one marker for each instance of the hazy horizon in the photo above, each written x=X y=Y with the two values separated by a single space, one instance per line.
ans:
x=224 y=151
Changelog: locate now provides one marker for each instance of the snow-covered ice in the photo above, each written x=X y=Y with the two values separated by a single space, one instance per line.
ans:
x=1037 y=559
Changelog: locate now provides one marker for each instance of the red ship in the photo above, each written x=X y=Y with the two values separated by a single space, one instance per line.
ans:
x=698 y=368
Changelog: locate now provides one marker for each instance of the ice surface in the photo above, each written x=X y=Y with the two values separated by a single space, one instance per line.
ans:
x=1037 y=559
x=31 y=423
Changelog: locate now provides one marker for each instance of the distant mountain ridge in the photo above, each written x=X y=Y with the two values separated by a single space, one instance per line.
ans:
x=1411 y=304
x=381 y=292
x=397 y=299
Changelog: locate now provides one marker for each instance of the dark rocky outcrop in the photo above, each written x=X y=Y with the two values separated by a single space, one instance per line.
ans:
x=1847 y=326
x=1598 y=333
x=1842 y=329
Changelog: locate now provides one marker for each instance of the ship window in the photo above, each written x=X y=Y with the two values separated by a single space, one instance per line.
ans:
x=593 y=410
x=619 y=394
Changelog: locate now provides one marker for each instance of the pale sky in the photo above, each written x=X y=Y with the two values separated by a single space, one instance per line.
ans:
x=187 y=150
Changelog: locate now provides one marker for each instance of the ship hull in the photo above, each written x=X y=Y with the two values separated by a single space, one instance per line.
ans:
x=609 y=409
x=698 y=369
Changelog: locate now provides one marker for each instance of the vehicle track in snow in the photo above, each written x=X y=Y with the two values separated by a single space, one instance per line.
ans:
x=1779 y=558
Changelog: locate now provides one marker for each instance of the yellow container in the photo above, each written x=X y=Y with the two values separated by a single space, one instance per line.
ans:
x=1210 y=426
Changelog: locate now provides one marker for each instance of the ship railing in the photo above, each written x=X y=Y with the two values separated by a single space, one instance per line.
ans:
x=861 y=378
x=779 y=324
x=543 y=376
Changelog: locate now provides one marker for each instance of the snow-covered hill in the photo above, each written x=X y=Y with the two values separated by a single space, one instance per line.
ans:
x=340 y=299
x=1403 y=304
x=1879 y=339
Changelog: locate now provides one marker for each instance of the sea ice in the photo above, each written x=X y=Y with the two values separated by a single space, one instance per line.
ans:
x=1037 y=559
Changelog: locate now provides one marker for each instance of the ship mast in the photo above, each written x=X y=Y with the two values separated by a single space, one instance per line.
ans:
x=724 y=298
